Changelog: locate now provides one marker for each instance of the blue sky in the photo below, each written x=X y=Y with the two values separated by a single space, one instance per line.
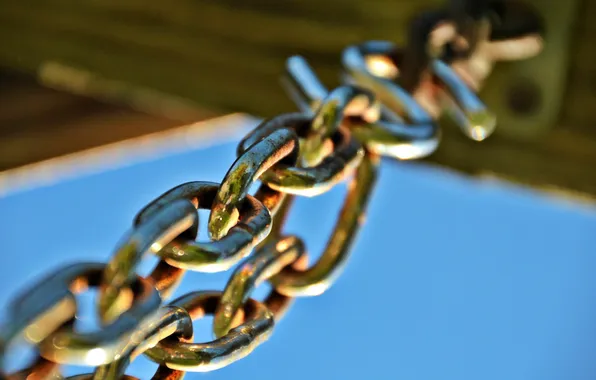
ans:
x=450 y=278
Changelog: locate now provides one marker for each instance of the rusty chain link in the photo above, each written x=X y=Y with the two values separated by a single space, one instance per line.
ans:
x=389 y=105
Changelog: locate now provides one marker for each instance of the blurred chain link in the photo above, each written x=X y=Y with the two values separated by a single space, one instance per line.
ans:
x=389 y=106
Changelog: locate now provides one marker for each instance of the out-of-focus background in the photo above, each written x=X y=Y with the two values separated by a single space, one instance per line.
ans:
x=475 y=262
x=180 y=61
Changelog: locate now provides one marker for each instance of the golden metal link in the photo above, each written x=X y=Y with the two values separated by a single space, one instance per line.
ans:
x=330 y=116
x=333 y=169
x=265 y=263
x=293 y=154
x=280 y=146
x=235 y=345
x=66 y=346
x=252 y=227
x=324 y=272
x=388 y=137
x=278 y=303
x=162 y=373
x=89 y=376
x=278 y=204
x=308 y=92
x=37 y=312
x=375 y=66
x=149 y=235
x=42 y=369
x=460 y=102
x=33 y=316
x=43 y=313
x=397 y=139
x=273 y=200
x=168 y=321
x=166 y=278
x=415 y=133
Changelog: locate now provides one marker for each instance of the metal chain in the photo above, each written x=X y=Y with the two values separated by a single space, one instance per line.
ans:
x=338 y=137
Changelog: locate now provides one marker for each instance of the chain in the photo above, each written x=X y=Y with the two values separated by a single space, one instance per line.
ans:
x=389 y=105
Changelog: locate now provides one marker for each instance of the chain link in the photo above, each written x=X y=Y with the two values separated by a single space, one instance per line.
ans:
x=389 y=105
x=232 y=345
x=267 y=262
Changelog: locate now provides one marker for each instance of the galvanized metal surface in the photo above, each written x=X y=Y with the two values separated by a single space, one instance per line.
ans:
x=326 y=155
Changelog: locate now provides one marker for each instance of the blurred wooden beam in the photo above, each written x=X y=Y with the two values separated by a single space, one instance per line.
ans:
x=38 y=123
x=227 y=55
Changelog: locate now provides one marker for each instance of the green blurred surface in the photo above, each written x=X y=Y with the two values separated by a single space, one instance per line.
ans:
x=227 y=55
